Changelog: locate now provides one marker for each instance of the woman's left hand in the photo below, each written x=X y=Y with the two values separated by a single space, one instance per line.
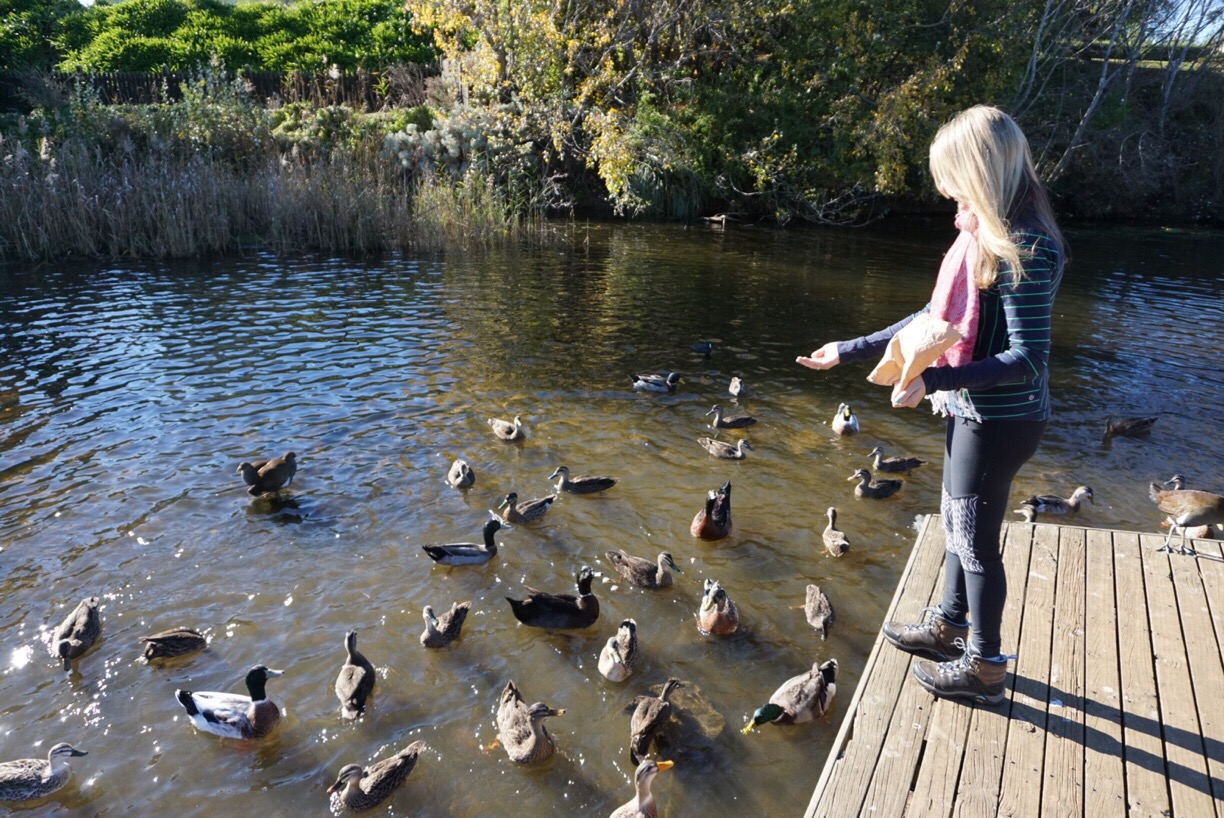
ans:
x=909 y=395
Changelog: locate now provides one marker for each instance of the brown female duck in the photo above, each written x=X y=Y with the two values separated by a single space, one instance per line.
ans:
x=875 y=489
x=440 y=631
x=619 y=655
x=643 y=572
x=520 y=729
x=507 y=430
x=527 y=511
x=355 y=682
x=649 y=714
x=725 y=450
x=173 y=642
x=894 y=465
x=643 y=803
x=582 y=484
x=265 y=476
x=357 y=789
x=29 y=779
x=730 y=421
x=78 y=632
x=818 y=610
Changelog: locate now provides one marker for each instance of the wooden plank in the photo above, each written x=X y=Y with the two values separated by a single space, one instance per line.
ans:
x=1146 y=790
x=1104 y=785
x=1062 y=791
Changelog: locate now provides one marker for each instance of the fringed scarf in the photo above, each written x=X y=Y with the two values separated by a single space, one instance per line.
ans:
x=955 y=300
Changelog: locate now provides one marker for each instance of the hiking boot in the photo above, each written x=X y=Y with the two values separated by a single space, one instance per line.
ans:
x=969 y=677
x=934 y=636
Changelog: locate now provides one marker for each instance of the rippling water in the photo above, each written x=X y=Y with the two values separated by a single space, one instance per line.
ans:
x=129 y=394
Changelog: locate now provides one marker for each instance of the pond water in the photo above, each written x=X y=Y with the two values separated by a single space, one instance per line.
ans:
x=130 y=392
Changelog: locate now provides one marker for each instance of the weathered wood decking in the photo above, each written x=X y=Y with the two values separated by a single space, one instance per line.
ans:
x=1116 y=699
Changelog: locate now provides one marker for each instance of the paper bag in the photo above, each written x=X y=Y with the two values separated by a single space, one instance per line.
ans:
x=918 y=345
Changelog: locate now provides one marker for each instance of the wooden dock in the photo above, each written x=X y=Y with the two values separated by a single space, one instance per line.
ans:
x=1115 y=703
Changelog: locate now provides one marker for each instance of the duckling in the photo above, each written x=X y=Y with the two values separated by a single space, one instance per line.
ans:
x=1049 y=504
x=357 y=789
x=800 y=698
x=619 y=655
x=29 y=779
x=78 y=632
x=718 y=614
x=1129 y=427
x=738 y=389
x=173 y=642
x=520 y=728
x=583 y=484
x=731 y=421
x=895 y=465
x=461 y=475
x=725 y=450
x=818 y=610
x=835 y=540
x=649 y=714
x=356 y=680
x=232 y=716
x=506 y=430
x=643 y=805
x=643 y=572
x=527 y=511
x=559 y=611
x=845 y=422
x=1186 y=508
x=440 y=631
x=877 y=489
x=266 y=476
x=713 y=522
x=655 y=383
x=468 y=553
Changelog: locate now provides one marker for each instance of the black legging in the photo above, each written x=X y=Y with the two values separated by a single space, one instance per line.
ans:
x=980 y=461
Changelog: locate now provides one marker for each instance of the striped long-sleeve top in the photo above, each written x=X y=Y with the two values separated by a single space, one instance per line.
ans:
x=1008 y=378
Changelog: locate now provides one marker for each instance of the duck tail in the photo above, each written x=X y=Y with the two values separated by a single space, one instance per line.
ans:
x=184 y=698
x=1155 y=491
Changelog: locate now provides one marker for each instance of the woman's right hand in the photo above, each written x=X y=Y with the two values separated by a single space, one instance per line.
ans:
x=824 y=358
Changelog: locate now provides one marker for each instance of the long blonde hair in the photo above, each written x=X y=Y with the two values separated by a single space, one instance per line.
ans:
x=981 y=157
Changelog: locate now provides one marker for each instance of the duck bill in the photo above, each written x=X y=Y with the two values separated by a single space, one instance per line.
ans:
x=339 y=785
x=665 y=765
x=707 y=603
x=75 y=753
x=556 y=711
x=748 y=727
x=275 y=673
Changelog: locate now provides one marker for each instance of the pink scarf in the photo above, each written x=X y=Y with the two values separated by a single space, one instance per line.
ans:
x=955 y=298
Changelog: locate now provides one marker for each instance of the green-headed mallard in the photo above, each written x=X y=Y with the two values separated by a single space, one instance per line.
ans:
x=845 y=422
x=29 y=779
x=713 y=522
x=895 y=465
x=173 y=642
x=1186 y=508
x=264 y=476
x=1051 y=504
x=520 y=728
x=358 y=789
x=725 y=450
x=649 y=714
x=461 y=475
x=440 y=631
x=800 y=698
x=643 y=803
x=468 y=553
x=738 y=389
x=835 y=540
x=730 y=421
x=507 y=430
x=718 y=614
x=818 y=610
x=1129 y=427
x=356 y=680
x=583 y=484
x=232 y=716
x=655 y=383
x=619 y=655
x=78 y=632
x=559 y=611
x=528 y=510
x=644 y=572
x=876 y=489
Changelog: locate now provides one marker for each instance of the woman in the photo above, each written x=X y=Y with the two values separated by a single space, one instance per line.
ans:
x=997 y=286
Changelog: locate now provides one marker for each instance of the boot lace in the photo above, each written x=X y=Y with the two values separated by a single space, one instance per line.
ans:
x=926 y=624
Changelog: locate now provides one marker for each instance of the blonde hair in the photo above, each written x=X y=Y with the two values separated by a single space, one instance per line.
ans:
x=981 y=158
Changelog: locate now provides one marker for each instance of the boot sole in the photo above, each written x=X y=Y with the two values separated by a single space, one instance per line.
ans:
x=923 y=652
x=980 y=698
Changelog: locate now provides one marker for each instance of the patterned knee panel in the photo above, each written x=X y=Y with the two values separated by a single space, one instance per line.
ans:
x=960 y=526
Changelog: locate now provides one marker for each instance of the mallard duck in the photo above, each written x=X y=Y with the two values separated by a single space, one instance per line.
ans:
x=440 y=631
x=738 y=389
x=845 y=422
x=725 y=450
x=717 y=614
x=649 y=714
x=1129 y=427
x=358 y=789
x=355 y=682
x=264 y=476
x=559 y=611
x=643 y=803
x=876 y=489
x=800 y=698
x=28 y=779
x=818 y=610
x=173 y=642
x=731 y=421
x=895 y=465
x=655 y=383
x=583 y=484
x=461 y=475
x=1186 y=508
x=78 y=632
x=520 y=728
x=835 y=540
x=644 y=572
x=713 y=522
x=527 y=511
x=619 y=655
x=1050 y=504
x=468 y=553
x=506 y=430
x=232 y=716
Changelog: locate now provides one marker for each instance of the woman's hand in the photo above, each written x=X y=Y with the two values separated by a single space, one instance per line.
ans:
x=824 y=358
x=909 y=395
